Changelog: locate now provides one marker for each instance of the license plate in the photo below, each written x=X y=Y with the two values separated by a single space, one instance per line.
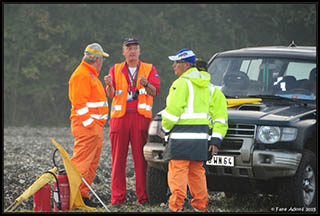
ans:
x=219 y=160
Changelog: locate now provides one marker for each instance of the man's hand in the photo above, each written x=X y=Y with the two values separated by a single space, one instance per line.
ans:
x=108 y=80
x=151 y=90
x=109 y=89
x=143 y=81
x=213 y=149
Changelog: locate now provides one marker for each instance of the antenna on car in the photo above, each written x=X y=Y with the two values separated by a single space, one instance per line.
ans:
x=292 y=44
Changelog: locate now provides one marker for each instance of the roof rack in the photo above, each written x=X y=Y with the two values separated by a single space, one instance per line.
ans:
x=292 y=44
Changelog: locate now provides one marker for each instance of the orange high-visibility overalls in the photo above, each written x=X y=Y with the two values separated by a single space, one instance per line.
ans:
x=89 y=113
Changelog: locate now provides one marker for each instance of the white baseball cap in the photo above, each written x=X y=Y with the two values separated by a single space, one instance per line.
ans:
x=184 y=54
x=94 y=50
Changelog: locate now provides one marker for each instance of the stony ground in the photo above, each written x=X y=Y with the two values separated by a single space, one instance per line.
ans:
x=27 y=153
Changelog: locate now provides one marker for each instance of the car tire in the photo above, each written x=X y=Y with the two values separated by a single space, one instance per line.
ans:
x=301 y=190
x=157 y=185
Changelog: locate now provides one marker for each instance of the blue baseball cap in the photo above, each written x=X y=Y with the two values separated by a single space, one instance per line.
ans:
x=185 y=55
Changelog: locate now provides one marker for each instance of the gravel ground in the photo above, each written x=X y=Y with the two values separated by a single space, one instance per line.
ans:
x=28 y=153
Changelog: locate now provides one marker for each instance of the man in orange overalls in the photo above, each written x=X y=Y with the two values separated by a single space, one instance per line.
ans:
x=132 y=84
x=89 y=113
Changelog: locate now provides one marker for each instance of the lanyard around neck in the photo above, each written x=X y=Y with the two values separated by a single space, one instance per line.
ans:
x=133 y=79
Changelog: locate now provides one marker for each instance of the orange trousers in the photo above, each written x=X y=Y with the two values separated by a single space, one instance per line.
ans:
x=86 y=151
x=186 y=172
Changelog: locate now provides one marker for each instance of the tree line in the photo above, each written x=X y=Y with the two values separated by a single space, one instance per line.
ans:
x=44 y=43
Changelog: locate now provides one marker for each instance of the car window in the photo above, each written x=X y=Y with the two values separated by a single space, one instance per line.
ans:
x=220 y=68
x=253 y=68
x=299 y=70
x=247 y=76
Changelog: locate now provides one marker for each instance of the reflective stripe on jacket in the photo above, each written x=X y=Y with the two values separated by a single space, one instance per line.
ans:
x=119 y=101
x=218 y=114
x=188 y=116
x=87 y=96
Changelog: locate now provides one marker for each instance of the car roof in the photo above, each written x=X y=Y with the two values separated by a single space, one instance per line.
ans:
x=308 y=52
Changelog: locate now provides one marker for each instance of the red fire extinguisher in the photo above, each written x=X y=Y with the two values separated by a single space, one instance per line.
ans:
x=61 y=193
x=42 y=199
x=61 y=190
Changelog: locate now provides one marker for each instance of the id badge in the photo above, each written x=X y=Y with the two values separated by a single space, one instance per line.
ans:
x=129 y=96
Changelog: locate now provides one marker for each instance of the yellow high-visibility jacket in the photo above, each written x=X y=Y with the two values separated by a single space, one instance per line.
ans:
x=195 y=113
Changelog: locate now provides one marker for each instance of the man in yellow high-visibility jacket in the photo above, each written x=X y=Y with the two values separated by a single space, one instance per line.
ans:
x=194 y=109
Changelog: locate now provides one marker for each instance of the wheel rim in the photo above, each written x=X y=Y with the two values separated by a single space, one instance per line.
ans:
x=308 y=185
